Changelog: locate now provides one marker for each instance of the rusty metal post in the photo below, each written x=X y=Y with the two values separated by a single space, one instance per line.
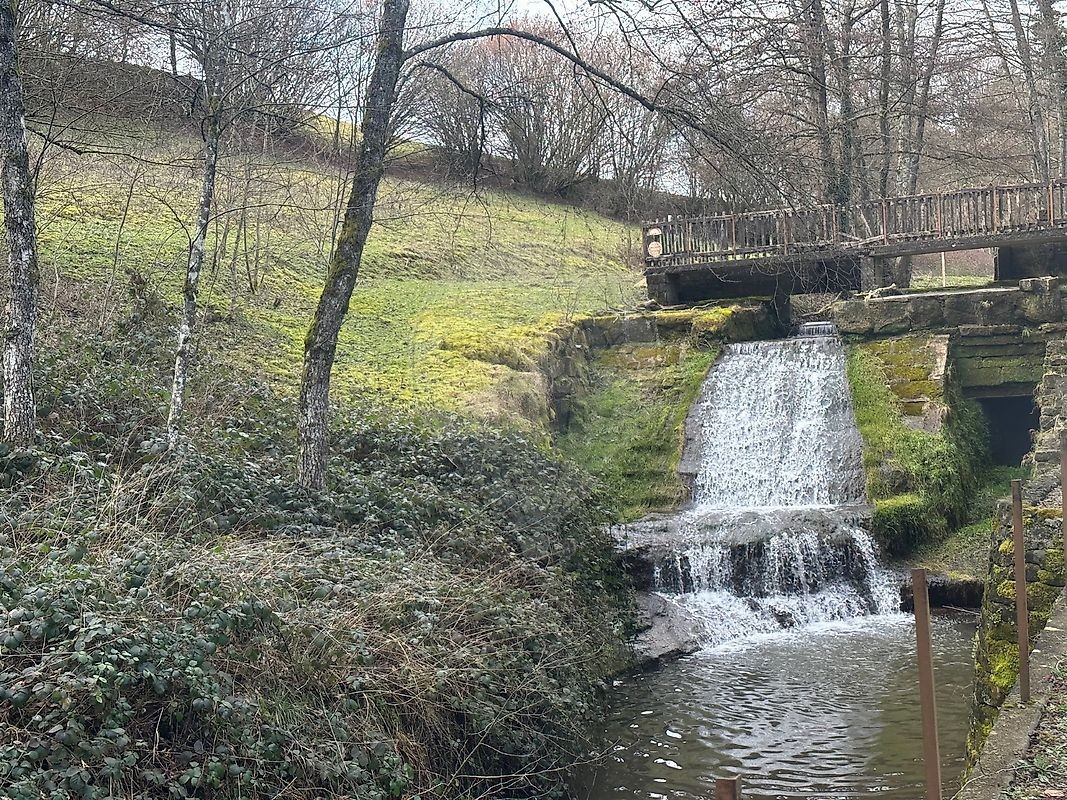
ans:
x=727 y=789
x=1022 y=613
x=927 y=700
x=1063 y=499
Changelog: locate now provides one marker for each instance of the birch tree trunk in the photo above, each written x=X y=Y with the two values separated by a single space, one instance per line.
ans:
x=195 y=266
x=20 y=411
x=320 y=346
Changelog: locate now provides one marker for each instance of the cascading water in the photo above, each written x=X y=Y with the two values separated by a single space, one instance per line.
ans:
x=774 y=537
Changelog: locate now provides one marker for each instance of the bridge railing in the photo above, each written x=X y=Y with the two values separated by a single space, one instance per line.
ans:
x=979 y=212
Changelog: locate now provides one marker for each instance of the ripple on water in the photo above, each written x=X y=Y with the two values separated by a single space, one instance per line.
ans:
x=827 y=711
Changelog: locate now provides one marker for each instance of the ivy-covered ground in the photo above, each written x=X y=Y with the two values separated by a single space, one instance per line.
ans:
x=1043 y=773
x=438 y=623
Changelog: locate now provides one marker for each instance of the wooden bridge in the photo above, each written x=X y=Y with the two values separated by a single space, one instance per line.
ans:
x=840 y=248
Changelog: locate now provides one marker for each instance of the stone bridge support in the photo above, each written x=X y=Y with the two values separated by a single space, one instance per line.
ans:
x=1029 y=261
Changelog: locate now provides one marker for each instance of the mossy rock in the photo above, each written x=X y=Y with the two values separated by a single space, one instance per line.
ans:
x=903 y=522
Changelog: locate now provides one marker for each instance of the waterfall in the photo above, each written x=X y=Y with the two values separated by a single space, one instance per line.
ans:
x=775 y=534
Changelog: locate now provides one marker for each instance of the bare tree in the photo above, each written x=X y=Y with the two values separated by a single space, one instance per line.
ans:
x=244 y=57
x=320 y=347
x=321 y=343
x=20 y=412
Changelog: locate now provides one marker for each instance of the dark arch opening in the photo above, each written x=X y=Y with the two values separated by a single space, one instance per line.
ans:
x=1012 y=421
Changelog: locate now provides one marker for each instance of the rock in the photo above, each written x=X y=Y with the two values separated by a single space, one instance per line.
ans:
x=667 y=630
x=946 y=591
x=884 y=291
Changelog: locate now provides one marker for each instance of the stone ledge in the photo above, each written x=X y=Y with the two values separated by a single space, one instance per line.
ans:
x=1010 y=736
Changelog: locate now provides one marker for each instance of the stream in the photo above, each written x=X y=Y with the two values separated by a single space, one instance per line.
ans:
x=827 y=711
x=806 y=684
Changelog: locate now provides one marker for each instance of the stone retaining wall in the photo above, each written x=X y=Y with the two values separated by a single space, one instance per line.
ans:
x=1034 y=302
x=996 y=648
x=566 y=364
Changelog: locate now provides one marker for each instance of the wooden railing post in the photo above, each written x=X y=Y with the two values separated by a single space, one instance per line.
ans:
x=727 y=789
x=885 y=220
x=1022 y=612
x=927 y=699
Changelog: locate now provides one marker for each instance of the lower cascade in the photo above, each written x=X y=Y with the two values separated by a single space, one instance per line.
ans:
x=775 y=535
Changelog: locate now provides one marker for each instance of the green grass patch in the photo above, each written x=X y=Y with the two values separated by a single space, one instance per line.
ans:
x=932 y=282
x=965 y=550
x=921 y=483
x=457 y=290
x=629 y=433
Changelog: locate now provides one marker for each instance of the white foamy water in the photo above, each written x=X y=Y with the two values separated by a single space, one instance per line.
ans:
x=773 y=538
x=778 y=428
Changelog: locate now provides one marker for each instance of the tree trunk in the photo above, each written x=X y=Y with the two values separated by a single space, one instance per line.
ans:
x=1055 y=58
x=884 y=72
x=320 y=346
x=20 y=411
x=1035 y=111
x=820 y=103
x=192 y=283
x=922 y=105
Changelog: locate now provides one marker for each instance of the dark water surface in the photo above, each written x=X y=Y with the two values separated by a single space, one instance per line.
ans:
x=828 y=711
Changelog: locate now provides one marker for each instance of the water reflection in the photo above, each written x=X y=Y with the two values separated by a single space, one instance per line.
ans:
x=830 y=711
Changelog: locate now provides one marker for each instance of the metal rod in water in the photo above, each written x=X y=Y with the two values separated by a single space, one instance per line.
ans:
x=1022 y=612
x=931 y=750
x=727 y=789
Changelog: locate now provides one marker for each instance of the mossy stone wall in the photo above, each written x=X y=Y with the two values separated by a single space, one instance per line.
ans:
x=996 y=648
x=566 y=367
x=996 y=651
x=620 y=407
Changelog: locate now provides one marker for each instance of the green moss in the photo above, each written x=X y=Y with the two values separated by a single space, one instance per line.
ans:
x=629 y=432
x=964 y=552
x=902 y=522
x=914 y=389
x=1003 y=660
x=923 y=484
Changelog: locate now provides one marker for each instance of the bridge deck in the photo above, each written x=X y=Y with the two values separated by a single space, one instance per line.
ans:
x=775 y=242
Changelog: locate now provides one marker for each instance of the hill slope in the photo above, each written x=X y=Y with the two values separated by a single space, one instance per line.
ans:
x=457 y=290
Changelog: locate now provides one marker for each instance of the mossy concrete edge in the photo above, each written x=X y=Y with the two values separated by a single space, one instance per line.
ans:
x=1009 y=738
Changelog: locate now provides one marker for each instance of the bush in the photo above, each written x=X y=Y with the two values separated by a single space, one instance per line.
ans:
x=903 y=522
x=437 y=623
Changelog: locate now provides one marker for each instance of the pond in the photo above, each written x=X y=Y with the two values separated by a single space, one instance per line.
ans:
x=825 y=711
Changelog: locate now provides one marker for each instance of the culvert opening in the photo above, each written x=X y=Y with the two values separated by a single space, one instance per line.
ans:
x=1012 y=421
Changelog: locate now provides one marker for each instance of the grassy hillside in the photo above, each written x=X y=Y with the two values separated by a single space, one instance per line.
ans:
x=438 y=624
x=458 y=288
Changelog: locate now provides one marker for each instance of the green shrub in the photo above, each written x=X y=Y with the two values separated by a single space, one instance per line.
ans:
x=903 y=522
x=438 y=622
